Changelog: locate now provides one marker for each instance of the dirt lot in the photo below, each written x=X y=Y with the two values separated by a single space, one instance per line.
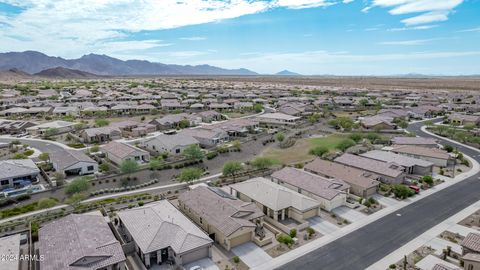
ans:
x=377 y=83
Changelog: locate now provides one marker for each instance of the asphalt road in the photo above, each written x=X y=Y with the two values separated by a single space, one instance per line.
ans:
x=43 y=146
x=369 y=244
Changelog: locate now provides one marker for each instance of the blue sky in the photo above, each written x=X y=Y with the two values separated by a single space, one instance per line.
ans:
x=341 y=37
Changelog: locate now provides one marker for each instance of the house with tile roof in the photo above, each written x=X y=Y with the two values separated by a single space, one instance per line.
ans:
x=388 y=172
x=439 y=157
x=411 y=165
x=362 y=183
x=73 y=162
x=118 y=152
x=10 y=246
x=79 y=241
x=17 y=170
x=330 y=193
x=161 y=234
x=227 y=220
x=281 y=205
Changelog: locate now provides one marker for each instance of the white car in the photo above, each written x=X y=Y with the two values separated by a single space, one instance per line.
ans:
x=196 y=267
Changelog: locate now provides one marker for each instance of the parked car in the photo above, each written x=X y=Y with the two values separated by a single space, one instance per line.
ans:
x=415 y=188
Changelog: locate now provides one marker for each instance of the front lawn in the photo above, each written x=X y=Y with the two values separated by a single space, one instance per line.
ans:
x=299 y=152
x=331 y=142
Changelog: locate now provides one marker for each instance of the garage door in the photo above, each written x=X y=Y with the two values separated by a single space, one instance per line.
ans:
x=195 y=255
x=240 y=239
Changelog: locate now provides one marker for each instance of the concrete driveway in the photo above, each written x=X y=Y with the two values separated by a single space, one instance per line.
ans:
x=323 y=226
x=349 y=214
x=205 y=263
x=388 y=202
x=251 y=254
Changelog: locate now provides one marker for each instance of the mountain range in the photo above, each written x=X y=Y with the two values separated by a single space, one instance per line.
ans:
x=34 y=62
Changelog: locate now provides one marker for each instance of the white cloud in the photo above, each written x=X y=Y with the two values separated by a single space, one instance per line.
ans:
x=298 y=4
x=431 y=10
x=72 y=27
x=347 y=1
x=426 y=18
x=193 y=38
x=418 y=27
x=412 y=42
x=477 y=29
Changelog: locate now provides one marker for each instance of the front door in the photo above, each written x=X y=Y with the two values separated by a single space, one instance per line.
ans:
x=164 y=254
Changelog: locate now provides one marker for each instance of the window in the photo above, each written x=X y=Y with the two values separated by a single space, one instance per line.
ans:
x=177 y=151
x=470 y=267
x=201 y=221
x=90 y=168
x=4 y=182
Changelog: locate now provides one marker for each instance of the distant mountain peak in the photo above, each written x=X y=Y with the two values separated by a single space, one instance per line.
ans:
x=61 y=72
x=287 y=73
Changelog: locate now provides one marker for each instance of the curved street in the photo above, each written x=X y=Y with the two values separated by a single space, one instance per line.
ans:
x=369 y=244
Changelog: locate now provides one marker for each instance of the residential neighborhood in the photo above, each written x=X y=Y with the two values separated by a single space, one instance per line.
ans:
x=196 y=176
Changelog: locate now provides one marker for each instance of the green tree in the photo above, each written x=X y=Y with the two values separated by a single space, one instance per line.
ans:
x=285 y=239
x=293 y=233
x=258 y=108
x=280 y=136
x=155 y=164
x=237 y=145
x=357 y=137
x=77 y=186
x=236 y=259
x=313 y=118
x=372 y=137
x=402 y=124
x=193 y=152
x=342 y=122
x=104 y=167
x=363 y=102
x=45 y=203
x=101 y=122
x=184 y=124
x=20 y=156
x=448 y=148
x=44 y=156
x=319 y=151
x=231 y=168
x=129 y=166
x=190 y=174
x=50 y=132
x=402 y=191
x=310 y=231
x=345 y=144
x=94 y=149
x=263 y=163
x=428 y=179
x=79 y=126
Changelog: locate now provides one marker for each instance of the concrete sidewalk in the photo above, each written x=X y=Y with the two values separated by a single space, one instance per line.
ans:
x=326 y=239
x=428 y=238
